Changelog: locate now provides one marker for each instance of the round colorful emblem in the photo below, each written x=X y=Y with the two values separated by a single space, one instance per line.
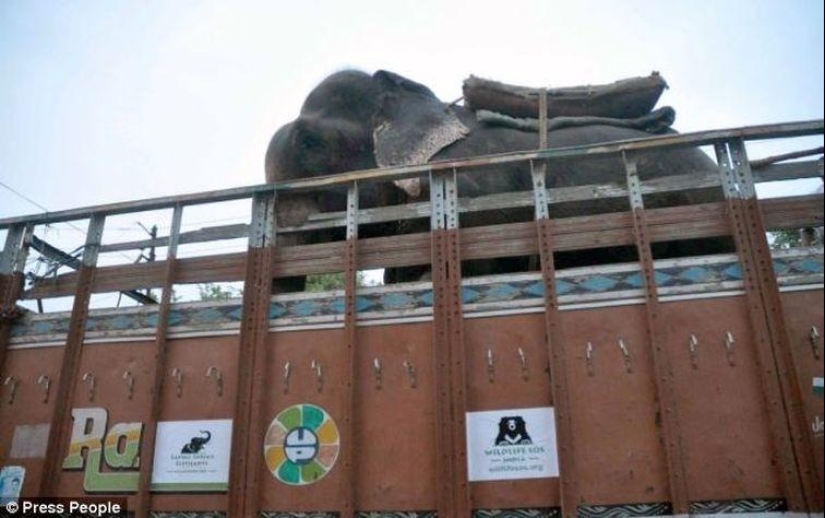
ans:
x=301 y=445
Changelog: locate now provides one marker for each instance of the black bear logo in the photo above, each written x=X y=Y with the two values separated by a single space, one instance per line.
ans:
x=197 y=443
x=511 y=431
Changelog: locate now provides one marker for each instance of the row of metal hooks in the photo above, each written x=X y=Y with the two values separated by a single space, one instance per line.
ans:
x=377 y=369
x=89 y=379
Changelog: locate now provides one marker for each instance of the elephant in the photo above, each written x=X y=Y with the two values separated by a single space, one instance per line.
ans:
x=196 y=444
x=353 y=120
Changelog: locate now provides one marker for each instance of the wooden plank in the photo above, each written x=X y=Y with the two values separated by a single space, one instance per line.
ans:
x=791 y=129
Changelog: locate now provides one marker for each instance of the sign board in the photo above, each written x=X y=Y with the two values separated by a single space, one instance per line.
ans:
x=512 y=444
x=11 y=482
x=192 y=456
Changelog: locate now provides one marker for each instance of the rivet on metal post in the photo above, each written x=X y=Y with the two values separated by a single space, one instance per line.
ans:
x=628 y=365
x=214 y=371
x=377 y=371
x=588 y=358
x=130 y=383
x=13 y=382
x=287 y=371
x=729 y=341
x=814 y=336
x=411 y=374
x=45 y=382
x=319 y=375
x=525 y=372
x=694 y=357
x=491 y=370
x=89 y=379
x=178 y=375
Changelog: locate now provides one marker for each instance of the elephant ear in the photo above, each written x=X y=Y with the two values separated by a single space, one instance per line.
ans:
x=412 y=125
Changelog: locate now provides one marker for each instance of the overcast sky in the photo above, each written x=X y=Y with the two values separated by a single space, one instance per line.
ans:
x=104 y=101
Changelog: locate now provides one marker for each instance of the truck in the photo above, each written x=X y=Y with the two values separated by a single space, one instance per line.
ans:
x=661 y=386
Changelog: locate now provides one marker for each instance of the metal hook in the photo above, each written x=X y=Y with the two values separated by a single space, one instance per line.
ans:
x=287 y=370
x=178 y=375
x=588 y=357
x=218 y=378
x=814 y=336
x=628 y=366
x=525 y=373
x=14 y=383
x=491 y=369
x=89 y=378
x=694 y=357
x=316 y=366
x=729 y=341
x=413 y=377
x=130 y=382
x=376 y=369
x=46 y=383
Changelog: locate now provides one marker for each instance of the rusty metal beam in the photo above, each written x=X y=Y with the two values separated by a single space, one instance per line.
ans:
x=144 y=499
x=783 y=447
x=656 y=338
x=247 y=433
x=797 y=420
x=72 y=353
x=349 y=481
x=12 y=263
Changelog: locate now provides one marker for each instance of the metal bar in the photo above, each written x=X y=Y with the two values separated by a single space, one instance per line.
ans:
x=568 y=480
x=775 y=318
x=445 y=466
x=457 y=348
x=783 y=448
x=656 y=336
x=72 y=353
x=792 y=129
x=243 y=477
x=349 y=481
x=144 y=498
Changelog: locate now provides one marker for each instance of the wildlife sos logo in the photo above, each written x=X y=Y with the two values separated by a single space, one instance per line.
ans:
x=301 y=445
x=512 y=444
x=512 y=430
x=192 y=456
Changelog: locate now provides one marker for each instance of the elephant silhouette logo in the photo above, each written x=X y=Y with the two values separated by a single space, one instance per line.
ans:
x=512 y=431
x=196 y=444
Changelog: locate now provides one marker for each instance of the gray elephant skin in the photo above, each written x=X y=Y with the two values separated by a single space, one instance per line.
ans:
x=353 y=120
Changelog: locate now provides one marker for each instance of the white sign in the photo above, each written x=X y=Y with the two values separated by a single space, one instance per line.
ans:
x=192 y=456
x=512 y=444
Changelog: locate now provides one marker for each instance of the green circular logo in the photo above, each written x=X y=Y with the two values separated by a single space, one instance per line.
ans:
x=301 y=445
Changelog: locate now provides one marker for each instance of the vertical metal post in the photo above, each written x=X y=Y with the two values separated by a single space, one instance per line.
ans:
x=662 y=369
x=12 y=265
x=789 y=473
x=445 y=466
x=349 y=481
x=797 y=421
x=72 y=352
x=247 y=433
x=144 y=500
x=553 y=328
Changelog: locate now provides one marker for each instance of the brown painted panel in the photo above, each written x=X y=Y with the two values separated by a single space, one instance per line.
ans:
x=503 y=336
x=803 y=309
x=28 y=408
x=107 y=363
x=725 y=433
x=199 y=400
x=395 y=425
x=616 y=429
x=299 y=349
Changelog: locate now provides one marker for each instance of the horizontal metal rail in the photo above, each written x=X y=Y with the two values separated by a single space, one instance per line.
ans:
x=763 y=132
